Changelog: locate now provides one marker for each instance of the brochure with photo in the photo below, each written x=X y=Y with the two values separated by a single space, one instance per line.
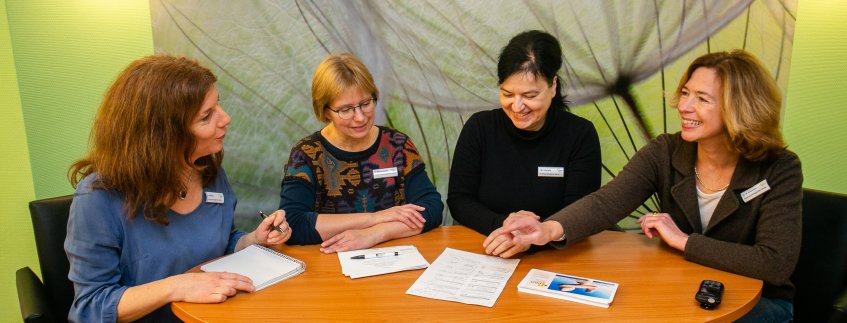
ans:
x=572 y=288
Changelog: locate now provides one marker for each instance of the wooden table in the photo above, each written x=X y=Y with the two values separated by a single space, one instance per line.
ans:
x=656 y=284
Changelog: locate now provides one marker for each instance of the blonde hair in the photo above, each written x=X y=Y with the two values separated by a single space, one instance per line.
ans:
x=336 y=73
x=750 y=102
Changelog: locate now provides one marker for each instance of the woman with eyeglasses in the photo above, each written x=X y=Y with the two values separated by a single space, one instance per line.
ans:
x=352 y=184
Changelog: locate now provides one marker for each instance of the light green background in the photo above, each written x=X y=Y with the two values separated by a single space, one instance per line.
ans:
x=56 y=60
x=57 y=57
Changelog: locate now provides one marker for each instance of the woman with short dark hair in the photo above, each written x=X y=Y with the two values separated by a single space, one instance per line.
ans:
x=530 y=155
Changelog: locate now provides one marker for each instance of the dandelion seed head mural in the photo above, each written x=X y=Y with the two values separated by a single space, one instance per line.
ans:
x=435 y=65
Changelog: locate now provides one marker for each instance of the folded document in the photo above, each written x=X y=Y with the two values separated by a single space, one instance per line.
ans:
x=378 y=261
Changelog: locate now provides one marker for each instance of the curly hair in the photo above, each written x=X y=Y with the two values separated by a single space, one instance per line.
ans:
x=141 y=142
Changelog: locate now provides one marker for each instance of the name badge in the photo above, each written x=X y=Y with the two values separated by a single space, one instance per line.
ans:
x=385 y=172
x=214 y=197
x=756 y=190
x=551 y=171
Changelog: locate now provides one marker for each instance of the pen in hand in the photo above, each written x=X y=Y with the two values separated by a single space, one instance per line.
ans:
x=276 y=227
x=377 y=255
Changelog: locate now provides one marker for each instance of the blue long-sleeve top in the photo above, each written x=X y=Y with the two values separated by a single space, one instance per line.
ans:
x=321 y=178
x=108 y=252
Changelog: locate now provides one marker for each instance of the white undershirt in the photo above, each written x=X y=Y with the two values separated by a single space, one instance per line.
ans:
x=707 y=203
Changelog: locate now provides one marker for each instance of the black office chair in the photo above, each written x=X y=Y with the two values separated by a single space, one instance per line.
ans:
x=821 y=272
x=51 y=300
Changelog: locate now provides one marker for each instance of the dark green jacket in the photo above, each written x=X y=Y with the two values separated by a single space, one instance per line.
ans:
x=759 y=239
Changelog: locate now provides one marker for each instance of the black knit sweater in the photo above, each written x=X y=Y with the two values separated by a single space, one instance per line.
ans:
x=495 y=167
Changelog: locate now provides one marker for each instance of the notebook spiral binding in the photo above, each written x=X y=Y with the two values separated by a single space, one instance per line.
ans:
x=301 y=268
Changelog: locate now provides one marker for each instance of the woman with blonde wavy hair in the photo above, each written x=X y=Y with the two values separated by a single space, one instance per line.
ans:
x=729 y=191
x=152 y=200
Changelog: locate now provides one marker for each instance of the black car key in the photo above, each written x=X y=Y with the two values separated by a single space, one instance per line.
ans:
x=709 y=294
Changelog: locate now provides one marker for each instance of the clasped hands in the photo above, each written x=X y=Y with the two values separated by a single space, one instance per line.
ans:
x=520 y=230
x=523 y=228
x=353 y=239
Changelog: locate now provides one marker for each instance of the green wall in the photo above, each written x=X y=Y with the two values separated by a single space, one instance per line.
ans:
x=66 y=54
x=63 y=55
x=57 y=57
x=18 y=249
x=816 y=111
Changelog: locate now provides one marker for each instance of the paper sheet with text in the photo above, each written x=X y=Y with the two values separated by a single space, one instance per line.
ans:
x=465 y=277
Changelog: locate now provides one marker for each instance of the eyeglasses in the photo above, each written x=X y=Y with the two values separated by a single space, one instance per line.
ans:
x=346 y=112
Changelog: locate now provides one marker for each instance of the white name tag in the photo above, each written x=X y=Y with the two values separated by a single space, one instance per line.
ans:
x=551 y=171
x=385 y=172
x=214 y=197
x=756 y=190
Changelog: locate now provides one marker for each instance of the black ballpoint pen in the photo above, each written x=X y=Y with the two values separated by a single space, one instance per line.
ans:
x=377 y=255
x=276 y=227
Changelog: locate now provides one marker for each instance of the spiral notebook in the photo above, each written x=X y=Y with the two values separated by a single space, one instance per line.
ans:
x=264 y=266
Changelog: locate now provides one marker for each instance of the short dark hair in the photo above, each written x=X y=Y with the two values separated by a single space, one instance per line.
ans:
x=535 y=52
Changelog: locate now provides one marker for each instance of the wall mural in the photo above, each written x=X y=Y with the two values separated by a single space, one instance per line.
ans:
x=435 y=64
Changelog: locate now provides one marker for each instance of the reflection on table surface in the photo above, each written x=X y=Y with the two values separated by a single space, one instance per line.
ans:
x=656 y=284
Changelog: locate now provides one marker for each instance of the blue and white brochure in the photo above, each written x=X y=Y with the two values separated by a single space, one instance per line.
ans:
x=572 y=288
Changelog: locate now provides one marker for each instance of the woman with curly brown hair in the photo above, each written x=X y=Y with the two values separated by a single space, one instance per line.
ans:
x=152 y=200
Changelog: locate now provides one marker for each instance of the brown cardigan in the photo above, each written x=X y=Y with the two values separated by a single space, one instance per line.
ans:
x=759 y=239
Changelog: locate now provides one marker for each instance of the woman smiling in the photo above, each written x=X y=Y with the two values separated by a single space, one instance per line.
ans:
x=531 y=155
x=352 y=184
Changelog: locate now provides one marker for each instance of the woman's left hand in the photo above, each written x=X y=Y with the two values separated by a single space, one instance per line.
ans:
x=266 y=234
x=661 y=224
x=352 y=239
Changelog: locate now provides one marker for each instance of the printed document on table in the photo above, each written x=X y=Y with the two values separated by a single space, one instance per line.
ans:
x=407 y=258
x=465 y=277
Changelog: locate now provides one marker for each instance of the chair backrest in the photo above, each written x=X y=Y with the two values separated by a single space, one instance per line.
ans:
x=821 y=272
x=50 y=225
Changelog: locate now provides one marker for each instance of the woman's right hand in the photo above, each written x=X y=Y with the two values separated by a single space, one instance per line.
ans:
x=209 y=287
x=408 y=214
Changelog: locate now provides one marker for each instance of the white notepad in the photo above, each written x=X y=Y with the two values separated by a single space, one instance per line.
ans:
x=264 y=266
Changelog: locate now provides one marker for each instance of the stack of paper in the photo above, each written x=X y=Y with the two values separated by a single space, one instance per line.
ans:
x=378 y=261
x=465 y=277
x=571 y=288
